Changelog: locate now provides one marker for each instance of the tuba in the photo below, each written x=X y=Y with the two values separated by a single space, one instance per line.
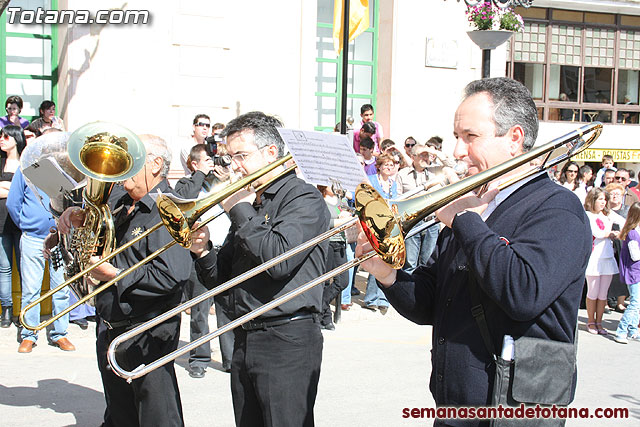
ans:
x=105 y=153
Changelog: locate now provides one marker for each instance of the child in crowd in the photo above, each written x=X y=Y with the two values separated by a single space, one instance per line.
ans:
x=630 y=274
x=607 y=163
x=366 y=149
x=602 y=263
x=367 y=130
x=366 y=113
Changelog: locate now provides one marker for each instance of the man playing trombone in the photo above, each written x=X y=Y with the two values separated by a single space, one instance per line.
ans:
x=145 y=293
x=276 y=359
x=508 y=265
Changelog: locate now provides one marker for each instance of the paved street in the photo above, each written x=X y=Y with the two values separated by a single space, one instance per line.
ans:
x=373 y=367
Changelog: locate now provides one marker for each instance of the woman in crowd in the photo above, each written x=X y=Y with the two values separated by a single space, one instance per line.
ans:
x=630 y=274
x=570 y=176
x=602 y=264
x=13 y=106
x=12 y=142
x=616 y=191
x=382 y=182
x=586 y=182
x=48 y=118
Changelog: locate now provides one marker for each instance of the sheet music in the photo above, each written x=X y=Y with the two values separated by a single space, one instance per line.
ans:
x=49 y=177
x=321 y=156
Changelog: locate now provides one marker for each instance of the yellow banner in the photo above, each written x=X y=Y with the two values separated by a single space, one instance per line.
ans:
x=595 y=155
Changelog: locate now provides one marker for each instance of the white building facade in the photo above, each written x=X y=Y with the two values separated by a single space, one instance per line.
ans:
x=580 y=59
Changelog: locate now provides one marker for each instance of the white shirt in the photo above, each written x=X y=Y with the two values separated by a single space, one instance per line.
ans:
x=503 y=194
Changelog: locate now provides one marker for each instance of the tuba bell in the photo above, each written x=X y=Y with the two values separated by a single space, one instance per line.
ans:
x=105 y=153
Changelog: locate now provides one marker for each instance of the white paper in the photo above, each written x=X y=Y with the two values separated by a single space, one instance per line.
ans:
x=49 y=177
x=323 y=156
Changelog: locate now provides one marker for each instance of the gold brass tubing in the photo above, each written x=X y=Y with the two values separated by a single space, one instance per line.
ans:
x=87 y=297
x=214 y=198
x=140 y=371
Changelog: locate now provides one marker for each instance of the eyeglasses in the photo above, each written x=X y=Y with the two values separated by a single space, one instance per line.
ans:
x=409 y=145
x=240 y=158
x=207 y=125
x=572 y=171
x=620 y=178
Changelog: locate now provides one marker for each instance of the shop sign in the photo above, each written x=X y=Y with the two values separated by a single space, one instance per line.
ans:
x=595 y=155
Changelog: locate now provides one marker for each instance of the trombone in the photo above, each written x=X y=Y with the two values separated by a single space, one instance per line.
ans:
x=385 y=226
x=178 y=220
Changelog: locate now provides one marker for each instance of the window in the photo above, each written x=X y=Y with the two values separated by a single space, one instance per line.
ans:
x=361 y=73
x=28 y=65
x=579 y=66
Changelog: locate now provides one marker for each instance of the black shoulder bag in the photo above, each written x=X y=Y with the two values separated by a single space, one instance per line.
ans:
x=541 y=371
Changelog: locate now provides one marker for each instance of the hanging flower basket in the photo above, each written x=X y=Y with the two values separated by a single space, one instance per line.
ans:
x=489 y=39
x=492 y=25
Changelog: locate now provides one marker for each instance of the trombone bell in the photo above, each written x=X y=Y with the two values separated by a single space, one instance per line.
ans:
x=380 y=225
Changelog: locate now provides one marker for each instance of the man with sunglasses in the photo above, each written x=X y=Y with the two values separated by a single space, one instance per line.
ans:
x=201 y=127
x=276 y=358
x=623 y=177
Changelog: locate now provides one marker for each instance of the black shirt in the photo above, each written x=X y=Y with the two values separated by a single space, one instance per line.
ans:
x=290 y=212
x=154 y=286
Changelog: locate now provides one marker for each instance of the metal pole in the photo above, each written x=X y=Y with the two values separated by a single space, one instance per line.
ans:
x=345 y=67
x=486 y=63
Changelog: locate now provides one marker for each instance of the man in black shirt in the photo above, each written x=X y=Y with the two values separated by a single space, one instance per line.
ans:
x=192 y=187
x=276 y=359
x=147 y=292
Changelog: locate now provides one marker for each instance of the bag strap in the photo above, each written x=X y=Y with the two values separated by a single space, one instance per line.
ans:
x=477 y=310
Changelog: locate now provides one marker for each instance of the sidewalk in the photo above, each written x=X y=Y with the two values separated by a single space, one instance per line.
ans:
x=373 y=367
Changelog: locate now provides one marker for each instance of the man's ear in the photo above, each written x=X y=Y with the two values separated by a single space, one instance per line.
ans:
x=516 y=140
x=272 y=152
x=156 y=165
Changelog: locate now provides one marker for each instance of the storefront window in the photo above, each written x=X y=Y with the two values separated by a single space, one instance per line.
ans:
x=589 y=66
x=597 y=85
x=563 y=83
x=532 y=76
x=628 y=87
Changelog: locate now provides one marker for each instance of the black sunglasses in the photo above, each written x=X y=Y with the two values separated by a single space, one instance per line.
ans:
x=208 y=125
x=409 y=145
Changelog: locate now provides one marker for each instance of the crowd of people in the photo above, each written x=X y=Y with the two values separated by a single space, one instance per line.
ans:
x=608 y=197
x=466 y=273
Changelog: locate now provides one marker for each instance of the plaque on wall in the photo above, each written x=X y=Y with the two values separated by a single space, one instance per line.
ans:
x=441 y=53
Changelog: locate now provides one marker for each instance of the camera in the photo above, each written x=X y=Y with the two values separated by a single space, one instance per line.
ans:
x=224 y=161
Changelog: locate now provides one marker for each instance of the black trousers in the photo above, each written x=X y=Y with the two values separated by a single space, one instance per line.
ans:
x=275 y=373
x=337 y=256
x=199 y=325
x=226 y=339
x=152 y=400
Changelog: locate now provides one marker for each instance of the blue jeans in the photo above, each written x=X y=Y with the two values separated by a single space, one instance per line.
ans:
x=628 y=325
x=374 y=295
x=346 y=294
x=8 y=241
x=419 y=247
x=32 y=272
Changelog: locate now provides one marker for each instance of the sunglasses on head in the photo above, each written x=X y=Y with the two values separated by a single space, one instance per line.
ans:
x=208 y=125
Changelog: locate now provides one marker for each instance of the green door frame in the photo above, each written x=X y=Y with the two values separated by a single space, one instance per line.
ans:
x=338 y=62
x=54 y=57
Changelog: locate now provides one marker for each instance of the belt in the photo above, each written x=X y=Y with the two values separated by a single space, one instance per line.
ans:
x=132 y=320
x=253 y=325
